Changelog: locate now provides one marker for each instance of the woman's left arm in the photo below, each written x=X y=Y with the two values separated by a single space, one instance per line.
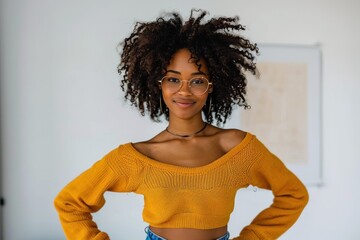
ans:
x=290 y=197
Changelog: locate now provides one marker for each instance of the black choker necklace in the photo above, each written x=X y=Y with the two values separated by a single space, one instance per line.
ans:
x=187 y=135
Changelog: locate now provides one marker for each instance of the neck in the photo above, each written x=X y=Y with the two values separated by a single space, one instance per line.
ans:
x=186 y=130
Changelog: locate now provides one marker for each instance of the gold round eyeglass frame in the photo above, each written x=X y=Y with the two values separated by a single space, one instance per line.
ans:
x=177 y=86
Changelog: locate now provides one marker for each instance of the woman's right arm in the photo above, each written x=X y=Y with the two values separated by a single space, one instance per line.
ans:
x=85 y=195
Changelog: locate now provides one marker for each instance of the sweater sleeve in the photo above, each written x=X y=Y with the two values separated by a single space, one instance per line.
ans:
x=83 y=196
x=290 y=197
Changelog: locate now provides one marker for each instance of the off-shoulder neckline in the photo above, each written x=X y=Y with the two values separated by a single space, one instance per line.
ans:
x=166 y=166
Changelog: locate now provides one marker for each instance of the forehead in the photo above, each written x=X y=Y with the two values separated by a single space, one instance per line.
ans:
x=183 y=62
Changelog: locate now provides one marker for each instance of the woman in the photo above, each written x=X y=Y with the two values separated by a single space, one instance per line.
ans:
x=190 y=172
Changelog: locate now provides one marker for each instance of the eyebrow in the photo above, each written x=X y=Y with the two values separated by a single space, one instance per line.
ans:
x=179 y=73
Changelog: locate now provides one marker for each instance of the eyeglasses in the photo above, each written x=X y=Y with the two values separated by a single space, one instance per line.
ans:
x=197 y=85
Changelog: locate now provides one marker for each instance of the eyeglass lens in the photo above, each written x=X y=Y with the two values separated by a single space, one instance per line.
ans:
x=197 y=85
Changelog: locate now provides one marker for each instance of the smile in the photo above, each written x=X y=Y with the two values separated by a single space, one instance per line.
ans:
x=183 y=104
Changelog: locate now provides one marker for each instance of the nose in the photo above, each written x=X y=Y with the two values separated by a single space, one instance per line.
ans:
x=185 y=89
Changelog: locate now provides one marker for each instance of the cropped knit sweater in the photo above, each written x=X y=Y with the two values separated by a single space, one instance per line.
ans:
x=183 y=197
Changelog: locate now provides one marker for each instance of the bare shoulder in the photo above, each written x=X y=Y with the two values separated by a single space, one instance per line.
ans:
x=229 y=138
x=148 y=147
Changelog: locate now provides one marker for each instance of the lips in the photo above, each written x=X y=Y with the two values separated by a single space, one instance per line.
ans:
x=184 y=102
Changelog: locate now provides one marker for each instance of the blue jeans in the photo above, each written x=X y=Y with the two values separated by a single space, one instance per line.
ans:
x=152 y=236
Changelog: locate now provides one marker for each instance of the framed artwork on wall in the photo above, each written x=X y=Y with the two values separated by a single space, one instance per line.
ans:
x=285 y=113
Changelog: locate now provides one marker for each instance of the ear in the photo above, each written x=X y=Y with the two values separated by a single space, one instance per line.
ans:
x=211 y=88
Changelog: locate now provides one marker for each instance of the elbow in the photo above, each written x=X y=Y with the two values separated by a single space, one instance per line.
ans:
x=57 y=202
x=305 y=196
x=301 y=196
x=61 y=202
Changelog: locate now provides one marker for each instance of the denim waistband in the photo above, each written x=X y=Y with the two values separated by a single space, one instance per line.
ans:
x=152 y=236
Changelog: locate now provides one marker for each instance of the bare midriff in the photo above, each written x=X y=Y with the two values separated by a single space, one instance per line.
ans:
x=189 y=233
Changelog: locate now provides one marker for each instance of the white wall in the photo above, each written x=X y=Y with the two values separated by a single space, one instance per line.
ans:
x=62 y=109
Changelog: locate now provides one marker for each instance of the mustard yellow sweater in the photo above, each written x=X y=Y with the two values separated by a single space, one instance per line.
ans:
x=181 y=197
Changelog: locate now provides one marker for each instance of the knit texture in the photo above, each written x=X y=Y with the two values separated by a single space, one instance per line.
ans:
x=182 y=197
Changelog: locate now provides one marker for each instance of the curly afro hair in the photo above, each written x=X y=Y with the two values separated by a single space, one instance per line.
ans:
x=147 y=52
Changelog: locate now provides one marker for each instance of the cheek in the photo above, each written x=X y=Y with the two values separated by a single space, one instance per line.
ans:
x=165 y=93
x=166 y=96
x=203 y=99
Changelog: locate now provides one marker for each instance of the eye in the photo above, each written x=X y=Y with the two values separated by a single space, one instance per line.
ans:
x=172 y=80
x=198 y=81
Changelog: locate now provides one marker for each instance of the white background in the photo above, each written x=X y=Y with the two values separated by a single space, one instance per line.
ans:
x=62 y=108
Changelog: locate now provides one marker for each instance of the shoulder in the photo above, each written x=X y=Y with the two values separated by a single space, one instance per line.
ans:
x=124 y=155
x=149 y=147
x=229 y=138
